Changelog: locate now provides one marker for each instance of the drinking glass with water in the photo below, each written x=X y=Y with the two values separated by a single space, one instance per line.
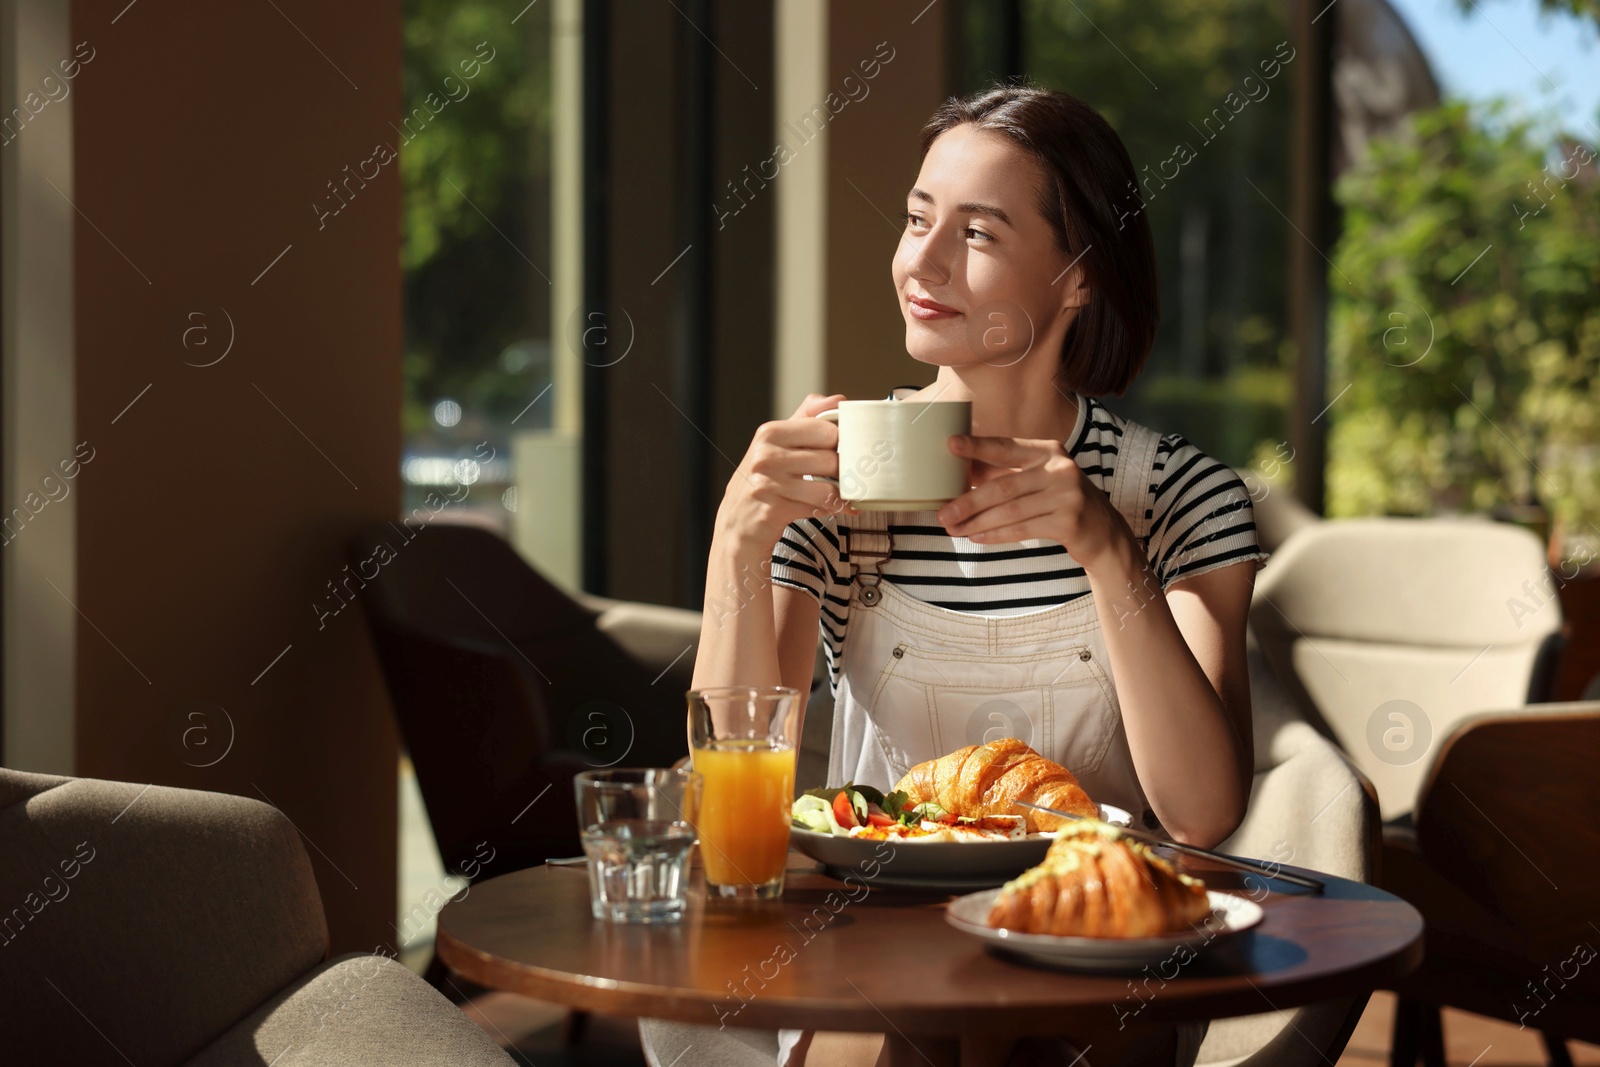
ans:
x=637 y=827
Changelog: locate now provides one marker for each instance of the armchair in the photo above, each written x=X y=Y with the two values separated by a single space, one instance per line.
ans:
x=171 y=927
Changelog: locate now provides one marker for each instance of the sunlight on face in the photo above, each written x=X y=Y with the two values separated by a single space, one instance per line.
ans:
x=978 y=272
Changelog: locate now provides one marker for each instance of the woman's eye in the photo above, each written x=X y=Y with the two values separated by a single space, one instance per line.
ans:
x=971 y=233
x=911 y=218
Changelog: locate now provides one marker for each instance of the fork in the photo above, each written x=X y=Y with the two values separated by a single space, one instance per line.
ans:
x=1253 y=866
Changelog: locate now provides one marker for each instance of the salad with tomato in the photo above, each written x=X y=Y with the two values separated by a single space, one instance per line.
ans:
x=861 y=811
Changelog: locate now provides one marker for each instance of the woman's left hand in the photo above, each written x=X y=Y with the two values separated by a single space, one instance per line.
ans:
x=1031 y=489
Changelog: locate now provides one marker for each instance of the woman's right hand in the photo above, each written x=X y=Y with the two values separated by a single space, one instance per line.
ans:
x=768 y=491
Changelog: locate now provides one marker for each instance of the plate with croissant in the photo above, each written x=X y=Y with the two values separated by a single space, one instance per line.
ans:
x=950 y=823
x=1102 y=901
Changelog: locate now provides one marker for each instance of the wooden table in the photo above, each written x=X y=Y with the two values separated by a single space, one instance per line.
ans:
x=785 y=963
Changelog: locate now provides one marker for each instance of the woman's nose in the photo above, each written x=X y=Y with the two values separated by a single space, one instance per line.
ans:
x=926 y=258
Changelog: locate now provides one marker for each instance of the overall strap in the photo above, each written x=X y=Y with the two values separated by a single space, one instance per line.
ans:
x=867 y=541
x=1130 y=489
x=873 y=543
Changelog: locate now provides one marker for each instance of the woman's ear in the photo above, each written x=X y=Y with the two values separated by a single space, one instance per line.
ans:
x=1076 y=294
x=1073 y=283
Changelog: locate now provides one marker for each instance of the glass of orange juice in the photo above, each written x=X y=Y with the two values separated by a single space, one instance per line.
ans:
x=744 y=739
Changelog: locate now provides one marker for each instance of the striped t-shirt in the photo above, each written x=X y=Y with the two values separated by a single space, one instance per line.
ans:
x=1198 y=509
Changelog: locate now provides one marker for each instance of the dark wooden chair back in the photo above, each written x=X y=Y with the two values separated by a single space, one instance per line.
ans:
x=1506 y=828
x=1511 y=815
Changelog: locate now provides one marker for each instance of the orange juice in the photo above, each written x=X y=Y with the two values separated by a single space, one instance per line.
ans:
x=743 y=819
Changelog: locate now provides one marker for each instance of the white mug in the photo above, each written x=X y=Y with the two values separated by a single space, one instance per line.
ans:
x=894 y=455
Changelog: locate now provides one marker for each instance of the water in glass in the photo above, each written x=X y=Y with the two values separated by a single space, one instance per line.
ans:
x=638 y=869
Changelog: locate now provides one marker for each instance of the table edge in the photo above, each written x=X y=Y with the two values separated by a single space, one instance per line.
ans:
x=602 y=998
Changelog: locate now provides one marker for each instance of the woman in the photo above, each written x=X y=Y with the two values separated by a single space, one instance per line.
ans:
x=1026 y=275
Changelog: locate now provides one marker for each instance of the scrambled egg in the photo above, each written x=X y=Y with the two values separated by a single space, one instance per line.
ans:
x=989 y=828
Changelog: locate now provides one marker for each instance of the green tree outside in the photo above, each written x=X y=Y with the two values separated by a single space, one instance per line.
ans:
x=476 y=208
x=1464 y=329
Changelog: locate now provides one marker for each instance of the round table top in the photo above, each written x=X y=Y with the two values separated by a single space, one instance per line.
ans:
x=837 y=956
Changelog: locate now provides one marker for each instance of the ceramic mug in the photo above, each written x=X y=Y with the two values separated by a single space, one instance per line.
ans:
x=894 y=455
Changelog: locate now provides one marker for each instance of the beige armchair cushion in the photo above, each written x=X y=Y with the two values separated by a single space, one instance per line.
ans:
x=661 y=638
x=1310 y=808
x=655 y=634
x=355 y=1011
x=1443 y=615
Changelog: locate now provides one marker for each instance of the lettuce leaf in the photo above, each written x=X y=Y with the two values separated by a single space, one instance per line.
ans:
x=828 y=792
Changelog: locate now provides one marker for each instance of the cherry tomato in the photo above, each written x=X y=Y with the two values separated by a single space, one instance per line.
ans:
x=949 y=818
x=876 y=816
x=843 y=812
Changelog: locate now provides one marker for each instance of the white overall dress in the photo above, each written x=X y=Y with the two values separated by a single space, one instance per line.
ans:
x=918 y=681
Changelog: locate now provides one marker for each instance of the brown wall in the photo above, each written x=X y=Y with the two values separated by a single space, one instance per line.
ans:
x=744 y=243
x=208 y=523
x=648 y=427
x=873 y=156
x=645 y=490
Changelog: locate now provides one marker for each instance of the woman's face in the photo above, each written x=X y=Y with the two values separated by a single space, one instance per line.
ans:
x=978 y=272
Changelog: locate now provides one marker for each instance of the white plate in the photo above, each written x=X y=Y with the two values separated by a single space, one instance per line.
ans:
x=1230 y=916
x=953 y=866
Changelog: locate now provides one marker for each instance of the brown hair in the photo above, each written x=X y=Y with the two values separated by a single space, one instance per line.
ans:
x=1087 y=172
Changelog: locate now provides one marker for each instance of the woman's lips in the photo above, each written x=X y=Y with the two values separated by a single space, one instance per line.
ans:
x=928 y=309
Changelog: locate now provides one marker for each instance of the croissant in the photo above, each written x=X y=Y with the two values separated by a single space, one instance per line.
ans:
x=983 y=780
x=1095 y=882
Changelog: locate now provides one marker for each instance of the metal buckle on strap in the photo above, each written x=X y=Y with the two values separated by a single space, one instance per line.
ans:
x=869 y=582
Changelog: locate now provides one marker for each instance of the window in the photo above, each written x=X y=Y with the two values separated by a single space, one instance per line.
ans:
x=489 y=422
